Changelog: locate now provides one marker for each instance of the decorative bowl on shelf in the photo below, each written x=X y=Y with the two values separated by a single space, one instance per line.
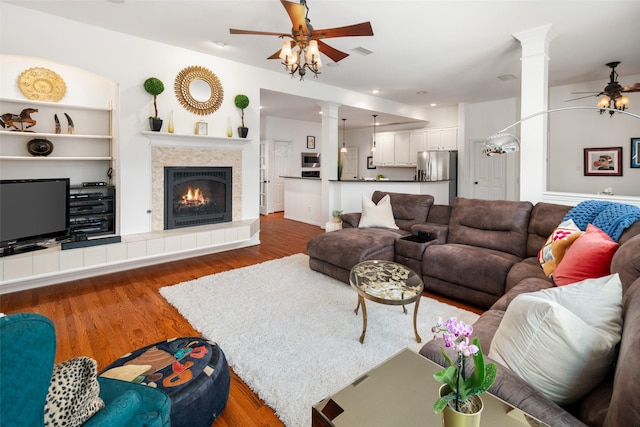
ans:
x=40 y=147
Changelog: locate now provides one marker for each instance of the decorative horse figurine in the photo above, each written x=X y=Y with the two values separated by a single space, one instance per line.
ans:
x=9 y=120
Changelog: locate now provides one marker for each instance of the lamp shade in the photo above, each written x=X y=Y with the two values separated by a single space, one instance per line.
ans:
x=285 y=52
x=500 y=143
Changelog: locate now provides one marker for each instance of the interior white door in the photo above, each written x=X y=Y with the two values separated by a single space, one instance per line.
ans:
x=350 y=164
x=281 y=167
x=263 y=185
x=489 y=175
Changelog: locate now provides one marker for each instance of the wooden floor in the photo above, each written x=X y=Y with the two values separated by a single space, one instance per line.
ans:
x=107 y=316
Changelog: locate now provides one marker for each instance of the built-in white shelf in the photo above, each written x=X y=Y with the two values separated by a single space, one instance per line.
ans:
x=50 y=158
x=59 y=105
x=52 y=135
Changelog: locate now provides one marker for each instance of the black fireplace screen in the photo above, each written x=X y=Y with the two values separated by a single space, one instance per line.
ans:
x=196 y=196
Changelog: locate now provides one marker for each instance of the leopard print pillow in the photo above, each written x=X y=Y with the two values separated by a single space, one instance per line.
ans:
x=73 y=393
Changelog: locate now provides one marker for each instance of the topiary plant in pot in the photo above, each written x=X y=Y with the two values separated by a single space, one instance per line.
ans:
x=242 y=102
x=155 y=87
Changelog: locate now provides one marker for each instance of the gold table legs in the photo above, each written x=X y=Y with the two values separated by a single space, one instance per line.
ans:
x=364 y=317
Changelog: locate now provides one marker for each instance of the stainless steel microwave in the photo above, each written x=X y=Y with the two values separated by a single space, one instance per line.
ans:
x=310 y=160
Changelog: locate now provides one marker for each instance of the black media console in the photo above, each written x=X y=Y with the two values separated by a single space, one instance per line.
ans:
x=92 y=210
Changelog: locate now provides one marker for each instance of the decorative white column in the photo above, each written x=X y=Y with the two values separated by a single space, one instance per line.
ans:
x=329 y=153
x=534 y=98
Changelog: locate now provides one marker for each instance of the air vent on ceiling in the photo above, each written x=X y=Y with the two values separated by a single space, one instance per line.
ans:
x=507 y=77
x=362 y=51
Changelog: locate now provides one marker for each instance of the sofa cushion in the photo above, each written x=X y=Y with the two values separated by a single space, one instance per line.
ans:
x=377 y=215
x=557 y=244
x=624 y=409
x=544 y=218
x=589 y=257
x=474 y=267
x=493 y=224
x=581 y=324
x=408 y=209
x=73 y=393
x=346 y=248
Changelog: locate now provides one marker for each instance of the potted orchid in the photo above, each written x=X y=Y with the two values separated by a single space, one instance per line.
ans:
x=459 y=394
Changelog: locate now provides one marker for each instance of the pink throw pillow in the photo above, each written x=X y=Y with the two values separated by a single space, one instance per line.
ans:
x=588 y=257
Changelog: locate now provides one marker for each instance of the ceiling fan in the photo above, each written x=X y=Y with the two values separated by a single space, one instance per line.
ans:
x=612 y=94
x=308 y=40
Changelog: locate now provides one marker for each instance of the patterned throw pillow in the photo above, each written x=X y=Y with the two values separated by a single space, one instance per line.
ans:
x=557 y=244
x=73 y=393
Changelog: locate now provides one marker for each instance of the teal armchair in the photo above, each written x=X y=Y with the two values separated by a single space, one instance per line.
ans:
x=27 y=355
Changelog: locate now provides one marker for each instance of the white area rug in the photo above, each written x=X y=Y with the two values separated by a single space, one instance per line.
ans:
x=291 y=334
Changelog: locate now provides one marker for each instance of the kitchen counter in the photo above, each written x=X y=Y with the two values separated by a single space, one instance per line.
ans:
x=301 y=177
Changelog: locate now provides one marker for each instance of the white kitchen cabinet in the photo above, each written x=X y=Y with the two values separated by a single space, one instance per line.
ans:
x=442 y=139
x=417 y=143
x=402 y=149
x=385 y=150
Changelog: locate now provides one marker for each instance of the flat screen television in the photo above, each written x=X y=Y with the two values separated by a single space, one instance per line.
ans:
x=32 y=211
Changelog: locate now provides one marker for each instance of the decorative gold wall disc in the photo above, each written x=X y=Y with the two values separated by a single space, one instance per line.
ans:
x=41 y=84
x=199 y=90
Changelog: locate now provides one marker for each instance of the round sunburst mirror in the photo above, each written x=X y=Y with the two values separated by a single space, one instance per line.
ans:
x=199 y=90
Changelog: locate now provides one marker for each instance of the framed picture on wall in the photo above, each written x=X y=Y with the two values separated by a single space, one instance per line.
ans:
x=311 y=142
x=370 y=164
x=603 y=161
x=635 y=152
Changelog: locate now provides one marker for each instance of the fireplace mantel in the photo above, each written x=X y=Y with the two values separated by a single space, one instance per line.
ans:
x=183 y=139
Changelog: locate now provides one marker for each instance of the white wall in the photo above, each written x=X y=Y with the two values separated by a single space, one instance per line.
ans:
x=296 y=131
x=572 y=131
x=129 y=61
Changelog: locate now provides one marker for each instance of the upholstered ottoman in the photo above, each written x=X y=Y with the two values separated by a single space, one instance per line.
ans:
x=193 y=371
x=336 y=253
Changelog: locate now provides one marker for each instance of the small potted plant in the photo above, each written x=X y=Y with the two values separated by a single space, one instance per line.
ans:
x=155 y=87
x=336 y=215
x=459 y=395
x=242 y=102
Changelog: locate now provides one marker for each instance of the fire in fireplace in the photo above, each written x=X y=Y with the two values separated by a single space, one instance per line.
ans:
x=196 y=196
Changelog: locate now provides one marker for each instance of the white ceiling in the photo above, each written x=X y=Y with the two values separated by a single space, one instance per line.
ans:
x=453 y=50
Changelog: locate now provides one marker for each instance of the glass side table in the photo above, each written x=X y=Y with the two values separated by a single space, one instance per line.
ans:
x=386 y=282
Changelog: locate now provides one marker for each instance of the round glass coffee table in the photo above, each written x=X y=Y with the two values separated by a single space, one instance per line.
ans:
x=386 y=282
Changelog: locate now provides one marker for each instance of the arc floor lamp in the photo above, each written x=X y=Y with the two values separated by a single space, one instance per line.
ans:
x=504 y=143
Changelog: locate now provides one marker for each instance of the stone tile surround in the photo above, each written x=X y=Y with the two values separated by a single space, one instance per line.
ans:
x=192 y=156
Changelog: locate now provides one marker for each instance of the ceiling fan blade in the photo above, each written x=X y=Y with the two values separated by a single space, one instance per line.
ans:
x=296 y=13
x=362 y=29
x=631 y=88
x=331 y=52
x=259 y=33
x=592 y=91
x=583 y=97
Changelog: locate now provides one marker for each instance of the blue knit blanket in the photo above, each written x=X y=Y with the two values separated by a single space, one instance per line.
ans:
x=611 y=217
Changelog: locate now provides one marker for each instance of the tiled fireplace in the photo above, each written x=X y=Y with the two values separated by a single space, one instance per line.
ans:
x=196 y=196
x=196 y=158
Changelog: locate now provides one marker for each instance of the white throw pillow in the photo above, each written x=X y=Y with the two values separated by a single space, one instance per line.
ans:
x=380 y=215
x=562 y=340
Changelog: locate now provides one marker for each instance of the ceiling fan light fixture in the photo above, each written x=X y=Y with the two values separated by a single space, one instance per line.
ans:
x=285 y=52
x=344 y=144
x=622 y=102
x=373 y=146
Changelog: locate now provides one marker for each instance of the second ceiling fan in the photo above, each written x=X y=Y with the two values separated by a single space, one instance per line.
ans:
x=308 y=40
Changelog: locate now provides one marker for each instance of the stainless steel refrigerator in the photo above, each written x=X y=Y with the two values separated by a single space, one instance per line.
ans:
x=439 y=166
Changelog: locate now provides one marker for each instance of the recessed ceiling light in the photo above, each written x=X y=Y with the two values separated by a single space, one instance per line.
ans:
x=116 y=1
x=433 y=104
x=507 y=77
x=332 y=64
x=220 y=44
x=422 y=92
x=375 y=91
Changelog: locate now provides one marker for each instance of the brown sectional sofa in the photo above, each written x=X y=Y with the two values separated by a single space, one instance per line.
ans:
x=485 y=253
